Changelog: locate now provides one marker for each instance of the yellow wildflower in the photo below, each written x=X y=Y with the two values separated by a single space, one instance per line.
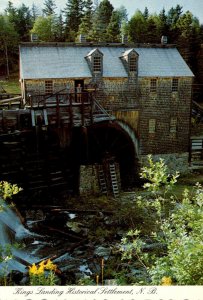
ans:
x=50 y=266
x=40 y=270
x=42 y=263
x=166 y=281
x=33 y=269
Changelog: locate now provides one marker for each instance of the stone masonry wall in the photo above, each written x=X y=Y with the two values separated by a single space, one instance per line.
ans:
x=174 y=161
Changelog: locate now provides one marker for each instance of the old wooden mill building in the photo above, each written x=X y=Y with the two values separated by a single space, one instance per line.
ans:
x=90 y=114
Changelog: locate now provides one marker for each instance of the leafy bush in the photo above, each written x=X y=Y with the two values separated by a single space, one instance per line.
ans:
x=7 y=190
x=174 y=252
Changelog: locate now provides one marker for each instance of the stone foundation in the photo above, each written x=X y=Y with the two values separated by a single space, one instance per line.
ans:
x=174 y=161
x=88 y=180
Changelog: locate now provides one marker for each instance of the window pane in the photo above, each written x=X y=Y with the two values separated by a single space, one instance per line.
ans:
x=48 y=87
x=132 y=64
x=97 y=64
x=153 y=85
x=174 y=84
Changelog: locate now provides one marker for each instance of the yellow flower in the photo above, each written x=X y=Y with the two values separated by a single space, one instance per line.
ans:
x=42 y=263
x=166 y=281
x=33 y=269
x=40 y=270
x=50 y=266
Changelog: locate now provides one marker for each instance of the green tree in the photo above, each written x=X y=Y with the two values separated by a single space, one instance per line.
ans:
x=101 y=21
x=172 y=19
x=146 y=13
x=152 y=32
x=113 y=33
x=21 y=18
x=87 y=19
x=49 y=8
x=73 y=13
x=45 y=28
x=162 y=24
x=34 y=12
x=59 y=29
x=137 y=27
x=8 y=44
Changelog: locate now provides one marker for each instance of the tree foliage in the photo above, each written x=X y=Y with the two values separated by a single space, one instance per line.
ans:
x=49 y=7
x=73 y=13
x=101 y=21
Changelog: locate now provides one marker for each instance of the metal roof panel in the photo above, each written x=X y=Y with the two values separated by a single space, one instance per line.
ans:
x=43 y=62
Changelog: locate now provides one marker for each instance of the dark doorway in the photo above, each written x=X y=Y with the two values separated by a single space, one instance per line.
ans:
x=79 y=87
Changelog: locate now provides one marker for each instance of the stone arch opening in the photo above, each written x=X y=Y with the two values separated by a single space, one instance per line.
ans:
x=109 y=140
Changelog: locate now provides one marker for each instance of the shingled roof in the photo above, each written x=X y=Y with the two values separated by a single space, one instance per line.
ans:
x=44 y=61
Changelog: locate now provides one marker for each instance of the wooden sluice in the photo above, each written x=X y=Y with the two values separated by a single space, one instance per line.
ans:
x=39 y=140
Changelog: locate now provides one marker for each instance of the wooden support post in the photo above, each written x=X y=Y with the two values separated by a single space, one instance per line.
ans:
x=82 y=111
x=57 y=111
x=71 y=110
x=90 y=98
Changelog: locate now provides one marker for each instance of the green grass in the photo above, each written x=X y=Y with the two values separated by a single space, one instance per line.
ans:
x=12 y=85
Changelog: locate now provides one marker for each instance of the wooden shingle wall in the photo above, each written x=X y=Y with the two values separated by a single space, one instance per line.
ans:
x=164 y=106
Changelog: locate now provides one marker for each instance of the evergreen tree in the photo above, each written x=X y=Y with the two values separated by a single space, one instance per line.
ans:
x=8 y=45
x=152 y=33
x=59 y=29
x=87 y=19
x=73 y=13
x=113 y=30
x=146 y=13
x=101 y=21
x=21 y=19
x=118 y=17
x=35 y=12
x=50 y=7
x=137 y=28
x=24 y=22
x=162 y=24
x=172 y=19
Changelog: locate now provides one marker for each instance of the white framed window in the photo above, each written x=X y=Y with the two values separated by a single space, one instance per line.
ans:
x=174 y=86
x=48 y=87
x=153 y=85
x=152 y=125
x=97 y=64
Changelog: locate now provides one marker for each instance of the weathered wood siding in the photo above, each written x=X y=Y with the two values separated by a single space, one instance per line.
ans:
x=163 y=107
x=160 y=119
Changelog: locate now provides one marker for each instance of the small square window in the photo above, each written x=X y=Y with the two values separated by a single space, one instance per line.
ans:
x=174 y=84
x=152 y=125
x=97 y=64
x=48 y=87
x=153 y=85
